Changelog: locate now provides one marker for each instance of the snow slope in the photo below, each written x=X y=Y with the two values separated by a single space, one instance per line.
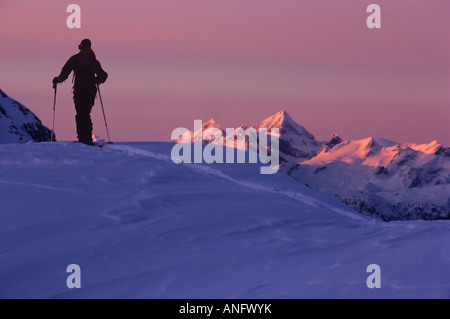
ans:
x=140 y=226
x=18 y=124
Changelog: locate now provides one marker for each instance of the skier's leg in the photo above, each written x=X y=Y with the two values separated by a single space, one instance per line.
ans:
x=83 y=108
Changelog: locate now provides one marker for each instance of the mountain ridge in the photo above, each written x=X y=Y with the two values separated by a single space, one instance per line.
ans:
x=18 y=124
x=377 y=177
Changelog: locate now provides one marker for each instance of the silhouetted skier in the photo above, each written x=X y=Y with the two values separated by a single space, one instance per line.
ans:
x=88 y=73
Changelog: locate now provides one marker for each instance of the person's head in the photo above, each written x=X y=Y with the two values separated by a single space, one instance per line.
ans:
x=85 y=44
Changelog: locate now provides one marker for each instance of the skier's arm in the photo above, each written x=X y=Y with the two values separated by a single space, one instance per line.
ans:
x=101 y=74
x=65 y=71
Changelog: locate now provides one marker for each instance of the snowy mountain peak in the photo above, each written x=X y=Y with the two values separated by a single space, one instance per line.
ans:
x=332 y=142
x=430 y=148
x=285 y=123
x=296 y=143
x=371 y=147
x=276 y=120
x=197 y=136
x=346 y=151
x=18 y=124
x=333 y=136
x=211 y=123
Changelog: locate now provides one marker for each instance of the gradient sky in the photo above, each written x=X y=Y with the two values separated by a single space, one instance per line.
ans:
x=238 y=61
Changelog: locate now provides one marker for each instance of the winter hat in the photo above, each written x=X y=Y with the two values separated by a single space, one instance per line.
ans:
x=85 y=44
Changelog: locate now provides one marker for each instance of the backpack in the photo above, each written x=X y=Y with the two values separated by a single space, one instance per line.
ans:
x=85 y=68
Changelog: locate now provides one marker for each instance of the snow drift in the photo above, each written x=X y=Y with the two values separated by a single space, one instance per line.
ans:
x=140 y=226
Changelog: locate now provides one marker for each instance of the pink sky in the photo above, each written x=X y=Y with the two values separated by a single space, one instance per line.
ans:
x=239 y=61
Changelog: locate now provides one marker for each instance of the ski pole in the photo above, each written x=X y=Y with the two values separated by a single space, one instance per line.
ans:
x=54 y=107
x=103 y=110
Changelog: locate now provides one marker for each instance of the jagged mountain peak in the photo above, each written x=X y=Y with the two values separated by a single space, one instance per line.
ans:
x=296 y=143
x=210 y=122
x=3 y=94
x=196 y=136
x=372 y=147
x=18 y=124
x=334 y=140
x=288 y=127
x=282 y=115
x=277 y=120
x=370 y=142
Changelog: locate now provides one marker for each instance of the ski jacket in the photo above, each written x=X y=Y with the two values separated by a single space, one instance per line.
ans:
x=86 y=69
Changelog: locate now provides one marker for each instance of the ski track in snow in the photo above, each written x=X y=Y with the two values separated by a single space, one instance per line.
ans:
x=137 y=151
x=278 y=254
x=206 y=170
x=41 y=186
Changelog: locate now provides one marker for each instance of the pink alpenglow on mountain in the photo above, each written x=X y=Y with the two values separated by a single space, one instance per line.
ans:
x=376 y=177
x=400 y=181
x=296 y=143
